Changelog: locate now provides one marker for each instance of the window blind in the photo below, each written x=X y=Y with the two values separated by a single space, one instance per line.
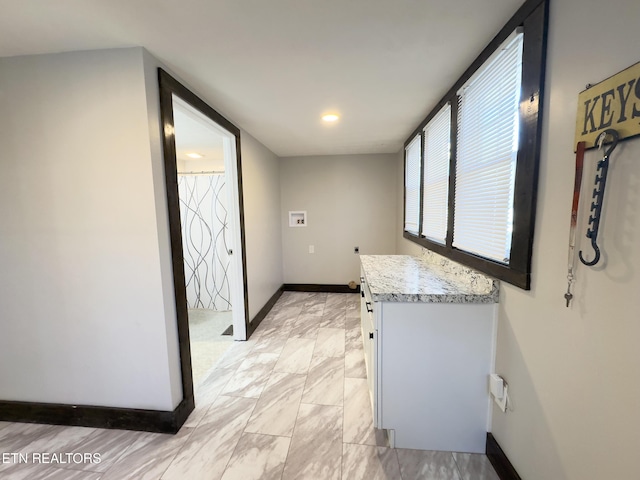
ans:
x=437 y=148
x=412 y=186
x=487 y=147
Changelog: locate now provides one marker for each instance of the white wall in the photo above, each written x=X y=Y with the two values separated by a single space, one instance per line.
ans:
x=574 y=373
x=261 y=190
x=152 y=87
x=85 y=317
x=349 y=202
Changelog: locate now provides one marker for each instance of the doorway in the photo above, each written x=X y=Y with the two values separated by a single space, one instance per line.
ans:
x=204 y=199
x=203 y=152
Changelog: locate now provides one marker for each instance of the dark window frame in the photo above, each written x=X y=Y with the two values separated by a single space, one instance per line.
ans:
x=533 y=17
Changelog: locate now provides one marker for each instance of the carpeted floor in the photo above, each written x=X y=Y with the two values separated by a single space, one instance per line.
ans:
x=208 y=343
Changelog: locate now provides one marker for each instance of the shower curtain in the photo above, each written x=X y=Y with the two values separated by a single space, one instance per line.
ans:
x=203 y=214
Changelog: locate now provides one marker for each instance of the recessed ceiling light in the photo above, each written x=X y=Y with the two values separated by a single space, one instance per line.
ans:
x=194 y=155
x=330 y=117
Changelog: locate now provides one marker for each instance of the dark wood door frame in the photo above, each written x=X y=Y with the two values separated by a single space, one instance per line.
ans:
x=168 y=87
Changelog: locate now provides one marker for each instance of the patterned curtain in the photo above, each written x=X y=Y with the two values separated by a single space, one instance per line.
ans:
x=203 y=214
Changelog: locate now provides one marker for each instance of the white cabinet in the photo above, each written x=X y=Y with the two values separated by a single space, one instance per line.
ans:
x=427 y=367
x=369 y=339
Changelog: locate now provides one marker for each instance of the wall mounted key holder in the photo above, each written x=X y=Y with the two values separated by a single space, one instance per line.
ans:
x=598 y=194
x=607 y=114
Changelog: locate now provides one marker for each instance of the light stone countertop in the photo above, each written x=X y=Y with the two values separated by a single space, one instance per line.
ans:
x=403 y=278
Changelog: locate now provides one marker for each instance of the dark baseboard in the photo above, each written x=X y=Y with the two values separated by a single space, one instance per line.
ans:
x=499 y=460
x=264 y=311
x=314 y=287
x=98 y=417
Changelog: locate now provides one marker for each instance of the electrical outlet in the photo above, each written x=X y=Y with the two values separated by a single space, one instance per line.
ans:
x=499 y=390
x=502 y=402
x=356 y=250
x=496 y=385
x=312 y=249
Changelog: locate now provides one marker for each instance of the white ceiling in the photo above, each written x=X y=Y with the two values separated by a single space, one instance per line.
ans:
x=274 y=66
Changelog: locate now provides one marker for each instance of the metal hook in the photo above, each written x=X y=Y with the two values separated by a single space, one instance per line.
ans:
x=614 y=142
x=596 y=258
x=598 y=193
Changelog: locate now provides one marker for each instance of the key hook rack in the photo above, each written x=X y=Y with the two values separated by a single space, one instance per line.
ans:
x=598 y=194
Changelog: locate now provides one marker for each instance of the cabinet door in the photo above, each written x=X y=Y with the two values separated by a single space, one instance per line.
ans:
x=371 y=358
x=436 y=358
x=367 y=341
x=370 y=341
x=368 y=338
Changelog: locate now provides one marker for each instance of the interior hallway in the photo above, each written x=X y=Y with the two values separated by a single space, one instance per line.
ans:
x=291 y=403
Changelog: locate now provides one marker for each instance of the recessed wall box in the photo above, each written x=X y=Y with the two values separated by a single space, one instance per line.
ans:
x=298 y=219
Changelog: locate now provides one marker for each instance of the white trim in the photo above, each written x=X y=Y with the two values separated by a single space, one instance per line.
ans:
x=236 y=274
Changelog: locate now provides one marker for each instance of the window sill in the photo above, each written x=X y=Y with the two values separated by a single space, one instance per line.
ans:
x=502 y=272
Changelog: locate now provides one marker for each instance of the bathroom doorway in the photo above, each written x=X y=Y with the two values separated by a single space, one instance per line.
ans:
x=202 y=154
x=204 y=196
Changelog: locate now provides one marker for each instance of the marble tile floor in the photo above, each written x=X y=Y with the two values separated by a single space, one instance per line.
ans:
x=208 y=344
x=291 y=403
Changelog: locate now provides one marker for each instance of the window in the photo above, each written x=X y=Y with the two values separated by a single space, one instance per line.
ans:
x=470 y=183
x=487 y=151
x=437 y=148
x=412 y=186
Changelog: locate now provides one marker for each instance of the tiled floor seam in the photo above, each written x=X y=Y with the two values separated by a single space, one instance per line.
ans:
x=455 y=461
x=288 y=452
x=291 y=440
x=239 y=437
x=342 y=456
x=169 y=463
x=395 y=452
x=213 y=400
x=367 y=445
x=233 y=452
